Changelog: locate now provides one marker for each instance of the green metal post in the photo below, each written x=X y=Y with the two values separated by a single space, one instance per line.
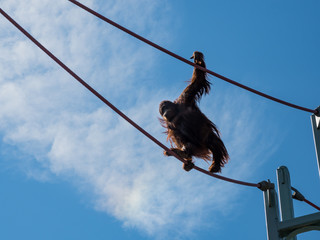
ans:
x=272 y=214
x=285 y=195
x=290 y=226
x=315 y=120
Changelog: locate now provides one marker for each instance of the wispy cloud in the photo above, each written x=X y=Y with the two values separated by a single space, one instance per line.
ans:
x=45 y=114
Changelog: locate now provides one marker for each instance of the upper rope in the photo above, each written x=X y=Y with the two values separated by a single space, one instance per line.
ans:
x=315 y=111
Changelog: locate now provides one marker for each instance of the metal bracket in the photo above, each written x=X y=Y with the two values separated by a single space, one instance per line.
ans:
x=298 y=225
x=264 y=185
x=303 y=230
x=297 y=195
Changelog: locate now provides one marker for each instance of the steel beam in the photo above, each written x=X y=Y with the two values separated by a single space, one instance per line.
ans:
x=315 y=121
x=285 y=195
x=308 y=222
x=272 y=214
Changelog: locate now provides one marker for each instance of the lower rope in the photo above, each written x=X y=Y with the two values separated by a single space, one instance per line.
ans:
x=86 y=85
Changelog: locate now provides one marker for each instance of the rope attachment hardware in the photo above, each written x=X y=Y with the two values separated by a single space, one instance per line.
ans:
x=266 y=185
x=297 y=195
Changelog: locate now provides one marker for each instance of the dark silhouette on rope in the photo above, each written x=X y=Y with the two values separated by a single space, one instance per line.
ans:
x=189 y=131
x=189 y=62
x=298 y=196
x=258 y=185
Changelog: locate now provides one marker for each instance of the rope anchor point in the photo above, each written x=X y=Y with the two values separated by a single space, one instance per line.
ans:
x=266 y=185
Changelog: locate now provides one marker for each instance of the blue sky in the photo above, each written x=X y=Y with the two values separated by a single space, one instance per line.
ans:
x=70 y=168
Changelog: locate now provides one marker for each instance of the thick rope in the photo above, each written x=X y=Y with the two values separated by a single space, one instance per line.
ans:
x=86 y=85
x=189 y=62
x=311 y=204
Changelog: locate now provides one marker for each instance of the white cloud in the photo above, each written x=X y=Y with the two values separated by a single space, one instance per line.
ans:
x=47 y=115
